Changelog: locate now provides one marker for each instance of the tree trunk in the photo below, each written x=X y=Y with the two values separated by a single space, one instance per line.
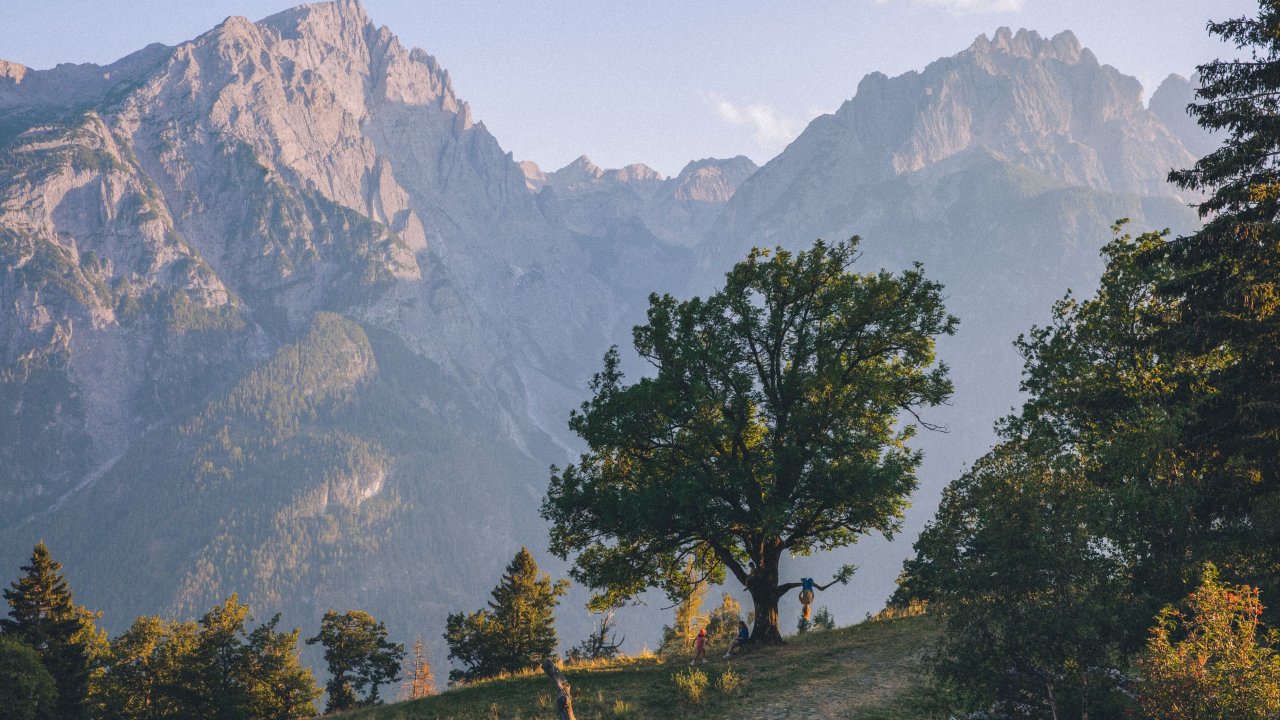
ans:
x=763 y=586
x=564 y=696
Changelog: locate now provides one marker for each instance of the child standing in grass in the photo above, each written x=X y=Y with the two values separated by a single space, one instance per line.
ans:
x=700 y=647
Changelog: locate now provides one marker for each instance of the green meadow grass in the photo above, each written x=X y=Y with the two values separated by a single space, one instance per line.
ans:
x=869 y=671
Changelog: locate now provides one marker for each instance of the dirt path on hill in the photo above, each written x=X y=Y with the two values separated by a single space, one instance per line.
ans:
x=847 y=683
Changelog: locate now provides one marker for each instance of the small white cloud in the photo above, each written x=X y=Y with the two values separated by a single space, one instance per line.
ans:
x=969 y=7
x=772 y=128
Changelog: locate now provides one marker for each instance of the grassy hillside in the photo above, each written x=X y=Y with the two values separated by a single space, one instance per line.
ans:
x=869 y=671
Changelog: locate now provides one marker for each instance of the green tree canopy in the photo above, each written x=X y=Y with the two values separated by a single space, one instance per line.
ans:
x=360 y=658
x=1036 y=609
x=158 y=670
x=770 y=425
x=139 y=680
x=27 y=690
x=43 y=615
x=516 y=632
x=278 y=685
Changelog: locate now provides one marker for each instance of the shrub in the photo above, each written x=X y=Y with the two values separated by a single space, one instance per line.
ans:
x=823 y=619
x=691 y=683
x=729 y=681
x=1213 y=659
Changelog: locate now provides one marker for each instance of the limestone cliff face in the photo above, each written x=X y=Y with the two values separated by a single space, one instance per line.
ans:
x=171 y=228
x=280 y=317
x=1045 y=105
x=1169 y=103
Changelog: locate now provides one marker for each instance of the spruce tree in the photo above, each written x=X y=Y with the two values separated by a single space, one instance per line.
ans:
x=1224 y=288
x=517 y=631
x=43 y=615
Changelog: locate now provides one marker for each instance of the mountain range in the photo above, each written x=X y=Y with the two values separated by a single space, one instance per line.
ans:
x=281 y=318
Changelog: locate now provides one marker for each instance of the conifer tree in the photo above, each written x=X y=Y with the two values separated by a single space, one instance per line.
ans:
x=1227 y=321
x=43 y=615
x=419 y=679
x=517 y=631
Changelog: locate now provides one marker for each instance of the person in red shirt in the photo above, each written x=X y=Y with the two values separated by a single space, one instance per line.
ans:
x=700 y=647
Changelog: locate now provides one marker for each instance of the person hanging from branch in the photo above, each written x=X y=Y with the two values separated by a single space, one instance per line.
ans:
x=807 y=586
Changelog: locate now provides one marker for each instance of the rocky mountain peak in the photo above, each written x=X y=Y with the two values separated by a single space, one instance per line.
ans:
x=68 y=84
x=1169 y=102
x=582 y=173
x=713 y=179
x=1020 y=96
x=1030 y=45
x=534 y=178
x=12 y=71
x=335 y=18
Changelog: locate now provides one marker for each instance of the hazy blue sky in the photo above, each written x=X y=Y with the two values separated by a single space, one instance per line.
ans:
x=656 y=82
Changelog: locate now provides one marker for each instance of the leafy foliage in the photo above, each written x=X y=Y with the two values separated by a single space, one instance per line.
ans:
x=215 y=668
x=729 y=681
x=1147 y=446
x=27 y=690
x=359 y=656
x=770 y=426
x=1212 y=660
x=516 y=632
x=690 y=683
x=678 y=637
x=1034 y=605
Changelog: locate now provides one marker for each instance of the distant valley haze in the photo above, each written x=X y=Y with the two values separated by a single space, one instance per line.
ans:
x=297 y=300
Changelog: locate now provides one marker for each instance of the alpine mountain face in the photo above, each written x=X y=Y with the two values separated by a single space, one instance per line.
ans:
x=280 y=318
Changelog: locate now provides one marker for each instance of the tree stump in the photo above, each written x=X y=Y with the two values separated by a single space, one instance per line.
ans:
x=564 y=696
